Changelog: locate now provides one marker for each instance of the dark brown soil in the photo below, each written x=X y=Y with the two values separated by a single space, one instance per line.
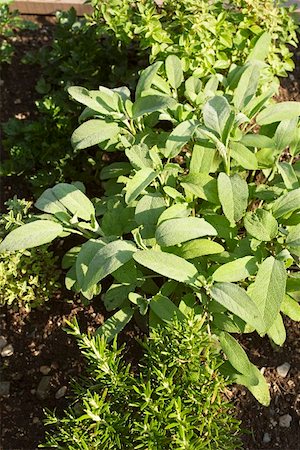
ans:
x=38 y=338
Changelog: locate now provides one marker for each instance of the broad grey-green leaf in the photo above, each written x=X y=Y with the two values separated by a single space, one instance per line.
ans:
x=278 y=112
x=49 y=203
x=201 y=185
x=139 y=157
x=115 y=323
x=215 y=113
x=149 y=208
x=277 y=331
x=175 y=211
x=88 y=98
x=237 y=356
x=174 y=71
x=165 y=309
x=261 y=225
x=202 y=159
x=260 y=390
x=233 y=195
x=115 y=170
x=93 y=132
x=290 y=308
x=261 y=48
x=138 y=183
x=287 y=203
x=180 y=136
x=246 y=87
x=174 y=231
x=115 y=295
x=108 y=259
x=151 y=103
x=268 y=290
x=84 y=258
x=168 y=265
x=74 y=200
x=236 y=300
x=146 y=78
x=243 y=156
x=285 y=133
x=236 y=270
x=288 y=175
x=31 y=235
x=293 y=239
x=199 y=247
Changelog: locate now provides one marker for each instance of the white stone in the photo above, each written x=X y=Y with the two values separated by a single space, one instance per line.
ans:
x=285 y=421
x=283 y=370
x=8 y=350
x=61 y=392
x=45 y=370
x=266 y=438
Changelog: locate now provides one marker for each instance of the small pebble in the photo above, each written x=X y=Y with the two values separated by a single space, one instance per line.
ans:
x=43 y=388
x=17 y=101
x=61 y=392
x=266 y=438
x=283 y=370
x=45 y=370
x=35 y=420
x=8 y=350
x=285 y=421
x=3 y=342
x=4 y=388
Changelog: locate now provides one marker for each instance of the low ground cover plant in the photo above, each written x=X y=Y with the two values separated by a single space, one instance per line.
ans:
x=28 y=278
x=40 y=149
x=203 y=213
x=174 y=400
x=206 y=36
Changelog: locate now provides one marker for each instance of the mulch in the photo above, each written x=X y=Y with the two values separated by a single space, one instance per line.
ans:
x=38 y=338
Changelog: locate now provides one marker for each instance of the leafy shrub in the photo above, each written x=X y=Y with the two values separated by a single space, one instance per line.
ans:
x=40 y=149
x=207 y=36
x=174 y=402
x=203 y=213
x=10 y=23
x=27 y=278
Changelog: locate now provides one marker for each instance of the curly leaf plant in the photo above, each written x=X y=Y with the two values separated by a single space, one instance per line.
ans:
x=204 y=212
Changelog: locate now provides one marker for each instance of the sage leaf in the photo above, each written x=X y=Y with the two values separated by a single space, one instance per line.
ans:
x=287 y=203
x=180 y=136
x=32 y=234
x=84 y=258
x=74 y=200
x=138 y=183
x=288 y=175
x=246 y=87
x=290 y=308
x=139 y=157
x=277 y=331
x=165 y=309
x=168 y=265
x=236 y=270
x=261 y=225
x=106 y=260
x=151 y=103
x=199 y=247
x=278 y=112
x=174 y=231
x=174 y=71
x=115 y=323
x=93 y=132
x=233 y=195
x=146 y=78
x=268 y=290
x=243 y=156
x=293 y=240
x=215 y=113
x=236 y=300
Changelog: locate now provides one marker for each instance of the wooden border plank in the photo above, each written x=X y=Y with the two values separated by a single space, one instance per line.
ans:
x=50 y=7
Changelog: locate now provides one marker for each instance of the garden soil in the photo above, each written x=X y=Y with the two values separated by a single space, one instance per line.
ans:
x=44 y=358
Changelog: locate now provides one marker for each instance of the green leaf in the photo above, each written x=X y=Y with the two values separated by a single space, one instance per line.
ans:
x=91 y=99
x=290 y=308
x=268 y=290
x=287 y=203
x=115 y=295
x=49 y=203
x=168 y=265
x=201 y=185
x=293 y=240
x=151 y=103
x=277 y=331
x=174 y=231
x=199 y=247
x=115 y=323
x=202 y=159
x=236 y=270
x=180 y=136
x=174 y=71
x=261 y=49
x=243 y=156
x=278 y=112
x=237 y=356
x=246 y=87
x=146 y=78
x=149 y=208
x=215 y=113
x=108 y=259
x=233 y=195
x=93 y=132
x=177 y=210
x=288 y=175
x=165 y=309
x=84 y=258
x=138 y=183
x=285 y=133
x=73 y=199
x=236 y=300
x=115 y=170
x=31 y=235
x=139 y=157
x=261 y=225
